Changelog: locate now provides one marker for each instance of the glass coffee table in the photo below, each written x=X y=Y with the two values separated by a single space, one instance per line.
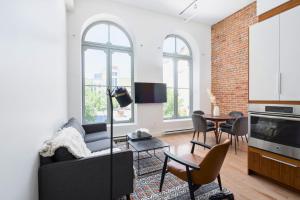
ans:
x=147 y=145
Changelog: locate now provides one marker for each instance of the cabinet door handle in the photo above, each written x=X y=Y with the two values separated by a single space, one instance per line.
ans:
x=280 y=161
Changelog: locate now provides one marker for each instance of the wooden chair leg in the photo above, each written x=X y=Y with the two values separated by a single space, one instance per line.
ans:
x=163 y=174
x=194 y=135
x=246 y=138
x=127 y=196
x=190 y=183
x=242 y=138
x=220 y=183
x=198 y=136
x=204 y=137
x=231 y=139
x=220 y=136
x=235 y=141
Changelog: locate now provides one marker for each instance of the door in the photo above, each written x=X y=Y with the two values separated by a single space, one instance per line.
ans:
x=264 y=60
x=290 y=55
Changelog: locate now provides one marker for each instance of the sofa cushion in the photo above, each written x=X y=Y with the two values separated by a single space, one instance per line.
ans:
x=62 y=154
x=75 y=124
x=99 y=145
x=91 y=137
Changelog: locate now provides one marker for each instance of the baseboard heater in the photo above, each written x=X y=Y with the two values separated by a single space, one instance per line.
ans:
x=179 y=131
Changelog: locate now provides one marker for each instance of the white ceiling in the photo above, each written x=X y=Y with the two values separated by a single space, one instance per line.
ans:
x=207 y=11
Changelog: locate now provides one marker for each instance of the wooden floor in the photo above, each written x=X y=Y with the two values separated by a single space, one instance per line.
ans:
x=234 y=172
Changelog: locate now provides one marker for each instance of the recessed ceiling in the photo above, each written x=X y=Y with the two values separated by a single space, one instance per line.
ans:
x=205 y=11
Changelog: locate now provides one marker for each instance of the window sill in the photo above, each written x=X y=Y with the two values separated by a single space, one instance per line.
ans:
x=177 y=120
x=122 y=124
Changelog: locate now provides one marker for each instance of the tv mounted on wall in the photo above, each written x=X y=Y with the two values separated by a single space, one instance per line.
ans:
x=150 y=92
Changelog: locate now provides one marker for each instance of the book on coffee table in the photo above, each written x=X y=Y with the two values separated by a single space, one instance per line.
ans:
x=135 y=136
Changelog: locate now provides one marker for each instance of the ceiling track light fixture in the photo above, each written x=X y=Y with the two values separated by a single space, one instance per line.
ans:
x=190 y=5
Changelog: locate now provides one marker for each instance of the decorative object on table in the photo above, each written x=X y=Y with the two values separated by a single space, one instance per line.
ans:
x=200 y=125
x=123 y=98
x=195 y=170
x=216 y=111
x=213 y=101
x=139 y=134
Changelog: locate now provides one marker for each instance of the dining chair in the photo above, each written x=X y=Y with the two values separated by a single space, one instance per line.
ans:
x=200 y=125
x=194 y=169
x=200 y=112
x=239 y=128
x=228 y=124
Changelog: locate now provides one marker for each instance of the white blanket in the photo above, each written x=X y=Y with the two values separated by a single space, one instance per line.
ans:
x=69 y=138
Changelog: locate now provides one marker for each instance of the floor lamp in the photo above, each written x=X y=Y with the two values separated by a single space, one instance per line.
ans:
x=123 y=98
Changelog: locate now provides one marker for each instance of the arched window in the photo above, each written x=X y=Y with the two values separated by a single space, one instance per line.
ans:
x=177 y=74
x=107 y=61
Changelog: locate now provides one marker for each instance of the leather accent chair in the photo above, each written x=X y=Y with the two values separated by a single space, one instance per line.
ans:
x=194 y=169
x=239 y=128
x=200 y=125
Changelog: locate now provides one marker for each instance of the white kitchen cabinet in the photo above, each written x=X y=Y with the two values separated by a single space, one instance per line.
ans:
x=264 y=60
x=290 y=55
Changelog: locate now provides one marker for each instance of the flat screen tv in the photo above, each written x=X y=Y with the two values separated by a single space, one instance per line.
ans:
x=150 y=92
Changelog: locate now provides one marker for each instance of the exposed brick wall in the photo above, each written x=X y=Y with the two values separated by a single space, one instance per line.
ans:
x=230 y=59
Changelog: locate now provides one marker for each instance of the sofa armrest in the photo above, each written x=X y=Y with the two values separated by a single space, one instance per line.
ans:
x=87 y=178
x=92 y=128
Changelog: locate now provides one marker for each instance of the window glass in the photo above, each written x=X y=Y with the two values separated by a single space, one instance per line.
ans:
x=176 y=74
x=118 y=37
x=181 y=47
x=101 y=73
x=169 y=45
x=97 y=33
x=121 y=76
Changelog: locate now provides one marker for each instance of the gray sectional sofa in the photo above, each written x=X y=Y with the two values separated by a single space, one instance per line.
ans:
x=63 y=177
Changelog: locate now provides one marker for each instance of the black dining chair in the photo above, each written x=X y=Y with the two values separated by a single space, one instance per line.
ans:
x=239 y=128
x=200 y=125
x=200 y=112
x=228 y=124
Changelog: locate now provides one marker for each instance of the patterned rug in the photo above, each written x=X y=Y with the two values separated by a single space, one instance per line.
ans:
x=147 y=186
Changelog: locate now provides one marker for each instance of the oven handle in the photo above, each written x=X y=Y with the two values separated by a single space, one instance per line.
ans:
x=275 y=117
x=280 y=161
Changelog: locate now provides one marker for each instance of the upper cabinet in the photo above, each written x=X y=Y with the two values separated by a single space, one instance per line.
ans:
x=290 y=54
x=274 y=58
x=264 y=60
x=266 y=5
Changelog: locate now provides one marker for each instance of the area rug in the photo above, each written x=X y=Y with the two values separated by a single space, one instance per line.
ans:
x=147 y=186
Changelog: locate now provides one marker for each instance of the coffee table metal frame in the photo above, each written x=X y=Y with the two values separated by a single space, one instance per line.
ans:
x=147 y=149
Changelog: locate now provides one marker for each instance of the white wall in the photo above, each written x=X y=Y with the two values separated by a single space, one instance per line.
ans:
x=266 y=5
x=149 y=30
x=32 y=89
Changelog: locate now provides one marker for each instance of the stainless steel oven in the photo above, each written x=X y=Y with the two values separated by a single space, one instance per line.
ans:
x=275 y=128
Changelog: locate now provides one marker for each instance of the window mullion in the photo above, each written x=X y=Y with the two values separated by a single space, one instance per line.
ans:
x=175 y=88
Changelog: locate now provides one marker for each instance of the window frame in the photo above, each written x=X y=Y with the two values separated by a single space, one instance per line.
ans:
x=175 y=58
x=109 y=49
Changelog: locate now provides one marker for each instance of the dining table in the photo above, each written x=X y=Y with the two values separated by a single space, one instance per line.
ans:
x=217 y=119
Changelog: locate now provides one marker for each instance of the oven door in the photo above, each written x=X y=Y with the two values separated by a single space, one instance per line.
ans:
x=278 y=134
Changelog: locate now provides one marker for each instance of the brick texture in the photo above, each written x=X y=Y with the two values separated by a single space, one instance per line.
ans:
x=230 y=60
